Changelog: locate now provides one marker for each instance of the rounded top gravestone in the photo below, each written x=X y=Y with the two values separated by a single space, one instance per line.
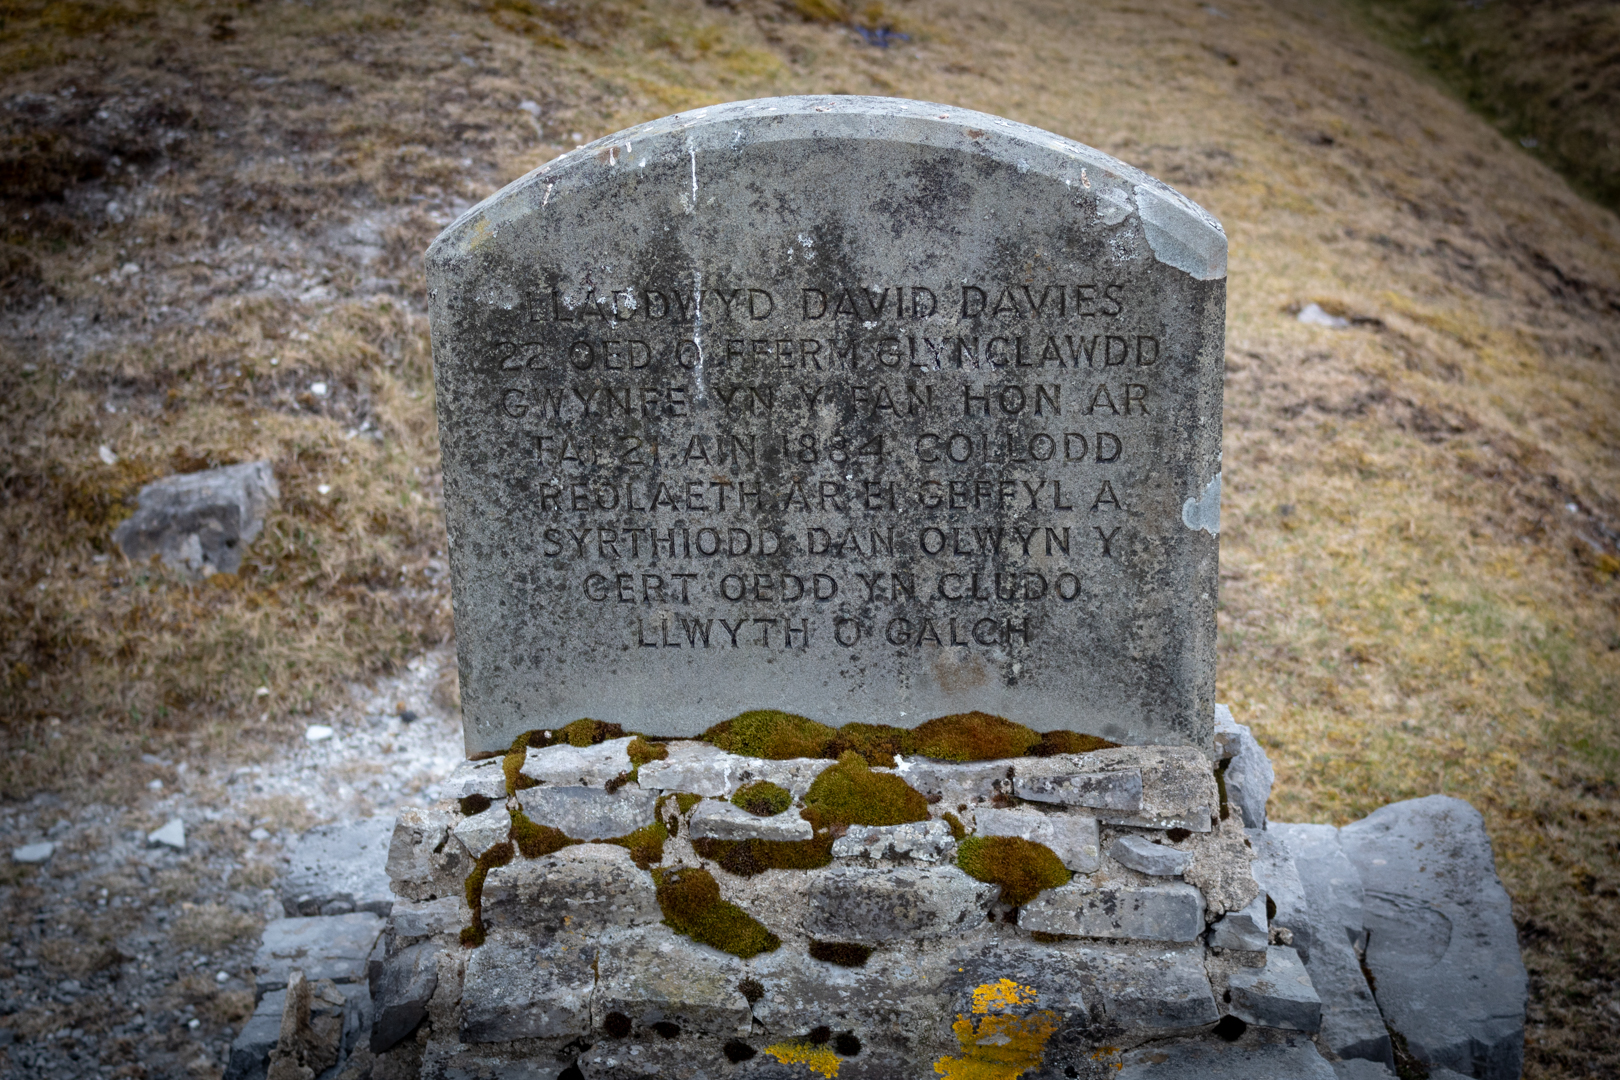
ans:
x=862 y=408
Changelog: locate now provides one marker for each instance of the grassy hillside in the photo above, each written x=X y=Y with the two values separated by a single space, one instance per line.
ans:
x=210 y=208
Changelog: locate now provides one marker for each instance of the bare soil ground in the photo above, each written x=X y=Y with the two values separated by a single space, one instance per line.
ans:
x=211 y=208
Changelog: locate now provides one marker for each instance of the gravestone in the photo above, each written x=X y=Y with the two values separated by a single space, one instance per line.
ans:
x=870 y=409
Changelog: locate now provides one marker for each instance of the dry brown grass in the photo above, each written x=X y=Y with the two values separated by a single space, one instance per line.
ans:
x=1409 y=605
x=208 y=927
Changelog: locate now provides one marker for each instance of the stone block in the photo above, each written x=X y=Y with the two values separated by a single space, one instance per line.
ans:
x=332 y=947
x=412 y=920
x=586 y=813
x=1178 y=786
x=1249 y=775
x=921 y=841
x=1149 y=992
x=693 y=767
x=587 y=888
x=480 y=832
x=1288 y=1058
x=486 y=778
x=954 y=785
x=1221 y=866
x=1441 y=946
x=1170 y=912
x=249 y=1057
x=1245 y=929
x=723 y=821
x=335 y=869
x=896 y=989
x=1274 y=871
x=577 y=766
x=1352 y=1026
x=1054 y=780
x=794 y=774
x=447 y=1059
x=1279 y=995
x=1072 y=837
x=400 y=991
x=878 y=906
x=1147 y=857
x=517 y=986
x=422 y=862
x=654 y=976
x=201 y=521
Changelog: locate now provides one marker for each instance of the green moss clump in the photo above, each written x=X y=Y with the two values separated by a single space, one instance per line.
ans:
x=1020 y=867
x=877 y=743
x=769 y=733
x=1069 y=742
x=690 y=899
x=585 y=732
x=641 y=751
x=841 y=953
x=499 y=855
x=958 y=830
x=685 y=801
x=762 y=798
x=973 y=736
x=473 y=805
x=850 y=793
x=535 y=840
x=646 y=844
x=745 y=858
x=513 y=762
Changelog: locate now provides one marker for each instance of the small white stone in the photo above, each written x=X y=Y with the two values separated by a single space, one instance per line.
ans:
x=33 y=853
x=259 y=834
x=318 y=389
x=107 y=456
x=317 y=732
x=324 y=489
x=222 y=977
x=1313 y=315
x=171 y=835
x=154 y=785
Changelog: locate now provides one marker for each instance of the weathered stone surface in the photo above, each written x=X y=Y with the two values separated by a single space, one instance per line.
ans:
x=1352 y=1026
x=1362 y=1069
x=577 y=766
x=1178 y=786
x=480 y=832
x=518 y=987
x=1170 y=912
x=723 y=821
x=923 y=841
x=412 y=920
x=327 y=947
x=692 y=767
x=899 y=989
x=250 y=1050
x=1441 y=944
x=1151 y=992
x=202 y=521
x=876 y=906
x=485 y=778
x=585 y=813
x=1279 y=995
x=1249 y=775
x=400 y=992
x=447 y=1059
x=1055 y=780
x=1220 y=867
x=794 y=774
x=1245 y=929
x=422 y=862
x=1278 y=878
x=589 y=887
x=1146 y=857
x=655 y=975
x=1289 y=1058
x=763 y=222
x=335 y=869
x=1072 y=837
x=953 y=784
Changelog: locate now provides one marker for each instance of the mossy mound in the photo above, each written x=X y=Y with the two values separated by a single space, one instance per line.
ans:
x=1020 y=867
x=850 y=793
x=646 y=844
x=769 y=733
x=534 y=840
x=641 y=751
x=877 y=743
x=1069 y=742
x=690 y=899
x=584 y=732
x=958 y=830
x=745 y=858
x=762 y=798
x=973 y=736
x=473 y=805
x=844 y=954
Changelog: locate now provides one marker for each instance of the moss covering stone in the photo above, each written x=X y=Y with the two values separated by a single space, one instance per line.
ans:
x=690 y=900
x=512 y=764
x=583 y=732
x=646 y=844
x=1022 y=868
x=762 y=798
x=684 y=801
x=1069 y=742
x=850 y=793
x=534 y=840
x=772 y=734
x=472 y=935
x=473 y=805
x=879 y=744
x=973 y=736
x=958 y=830
x=745 y=858
x=640 y=751
x=842 y=953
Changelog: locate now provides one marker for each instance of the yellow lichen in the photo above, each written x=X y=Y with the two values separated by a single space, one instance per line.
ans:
x=999 y=1046
x=816 y=1058
x=1001 y=995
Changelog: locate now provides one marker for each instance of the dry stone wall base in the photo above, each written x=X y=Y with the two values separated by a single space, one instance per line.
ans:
x=1172 y=912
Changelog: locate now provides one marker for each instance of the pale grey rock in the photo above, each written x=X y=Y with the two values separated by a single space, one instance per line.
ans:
x=1274 y=871
x=578 y=766
x=1362 y=1069
x=449 y=1059
x=585 y=813
x=587 y=887
x=1279 y=995
x=897 y=989
x=1151 y=992
x=872 y=906
x=480 y=832
x=655 y=975
x=334 y=947
x=794 y=774
x=692 y=767
x=1057 y=782
x=723 y=821
x=485 y=778
x=1289 y=1058
x=730 y=237
x=1442 y=947
x=1178 y=786
x=518 y=987
x=1352 y=1026
x=170 y=835
x=338 y=868
x=1072 y=837
x=1245 y=929
x=400 y=991
x=1170 y=912
x=250 y=1051
x=412 y=920
x=1146 y=857
x=953 y=784
x=1220 y=867
x=33 y=853
x=923 y=841
x=1249 y=775
x=423 y=861
x=202 y=521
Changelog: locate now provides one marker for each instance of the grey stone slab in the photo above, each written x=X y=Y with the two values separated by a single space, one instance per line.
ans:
x=1072 y=837
x=1146 y=857
x=725 y=285
x=1178 y=786
x=1097 y=790
x=412 y=920
x=1249 y=775
x=485 y=778
x=1442 y=947
x=794 y=774
x=332 y=947
x=447 y=1059
x=585 y=813
x=577 y=766
x=1245 y=929
x=955 y=785
x=1352 y=1026
x=655 y=975
x=875 y=906
x=480 y=832
x=201 y=521
x=172 y=834
x=898 y=989
x=520 y=987
x=695 y=768
x=1279 y=995
x=400 y=992
x=423 y=863
x=1171 y=912
x=250 y=1051
x=338 y=868
x=923 y=841
x=589 y=887
x=1362 y=1069
x=1293 y=1058
x=723 y=821
x=1274 y=870
x=1151 y=991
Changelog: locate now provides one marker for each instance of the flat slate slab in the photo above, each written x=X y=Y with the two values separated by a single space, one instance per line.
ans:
x=332 y=947
x=518 y=987
x=1173 y=911
x=586 y=813
x=1288 y=1058
x=335 y=869
x=855 y=904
